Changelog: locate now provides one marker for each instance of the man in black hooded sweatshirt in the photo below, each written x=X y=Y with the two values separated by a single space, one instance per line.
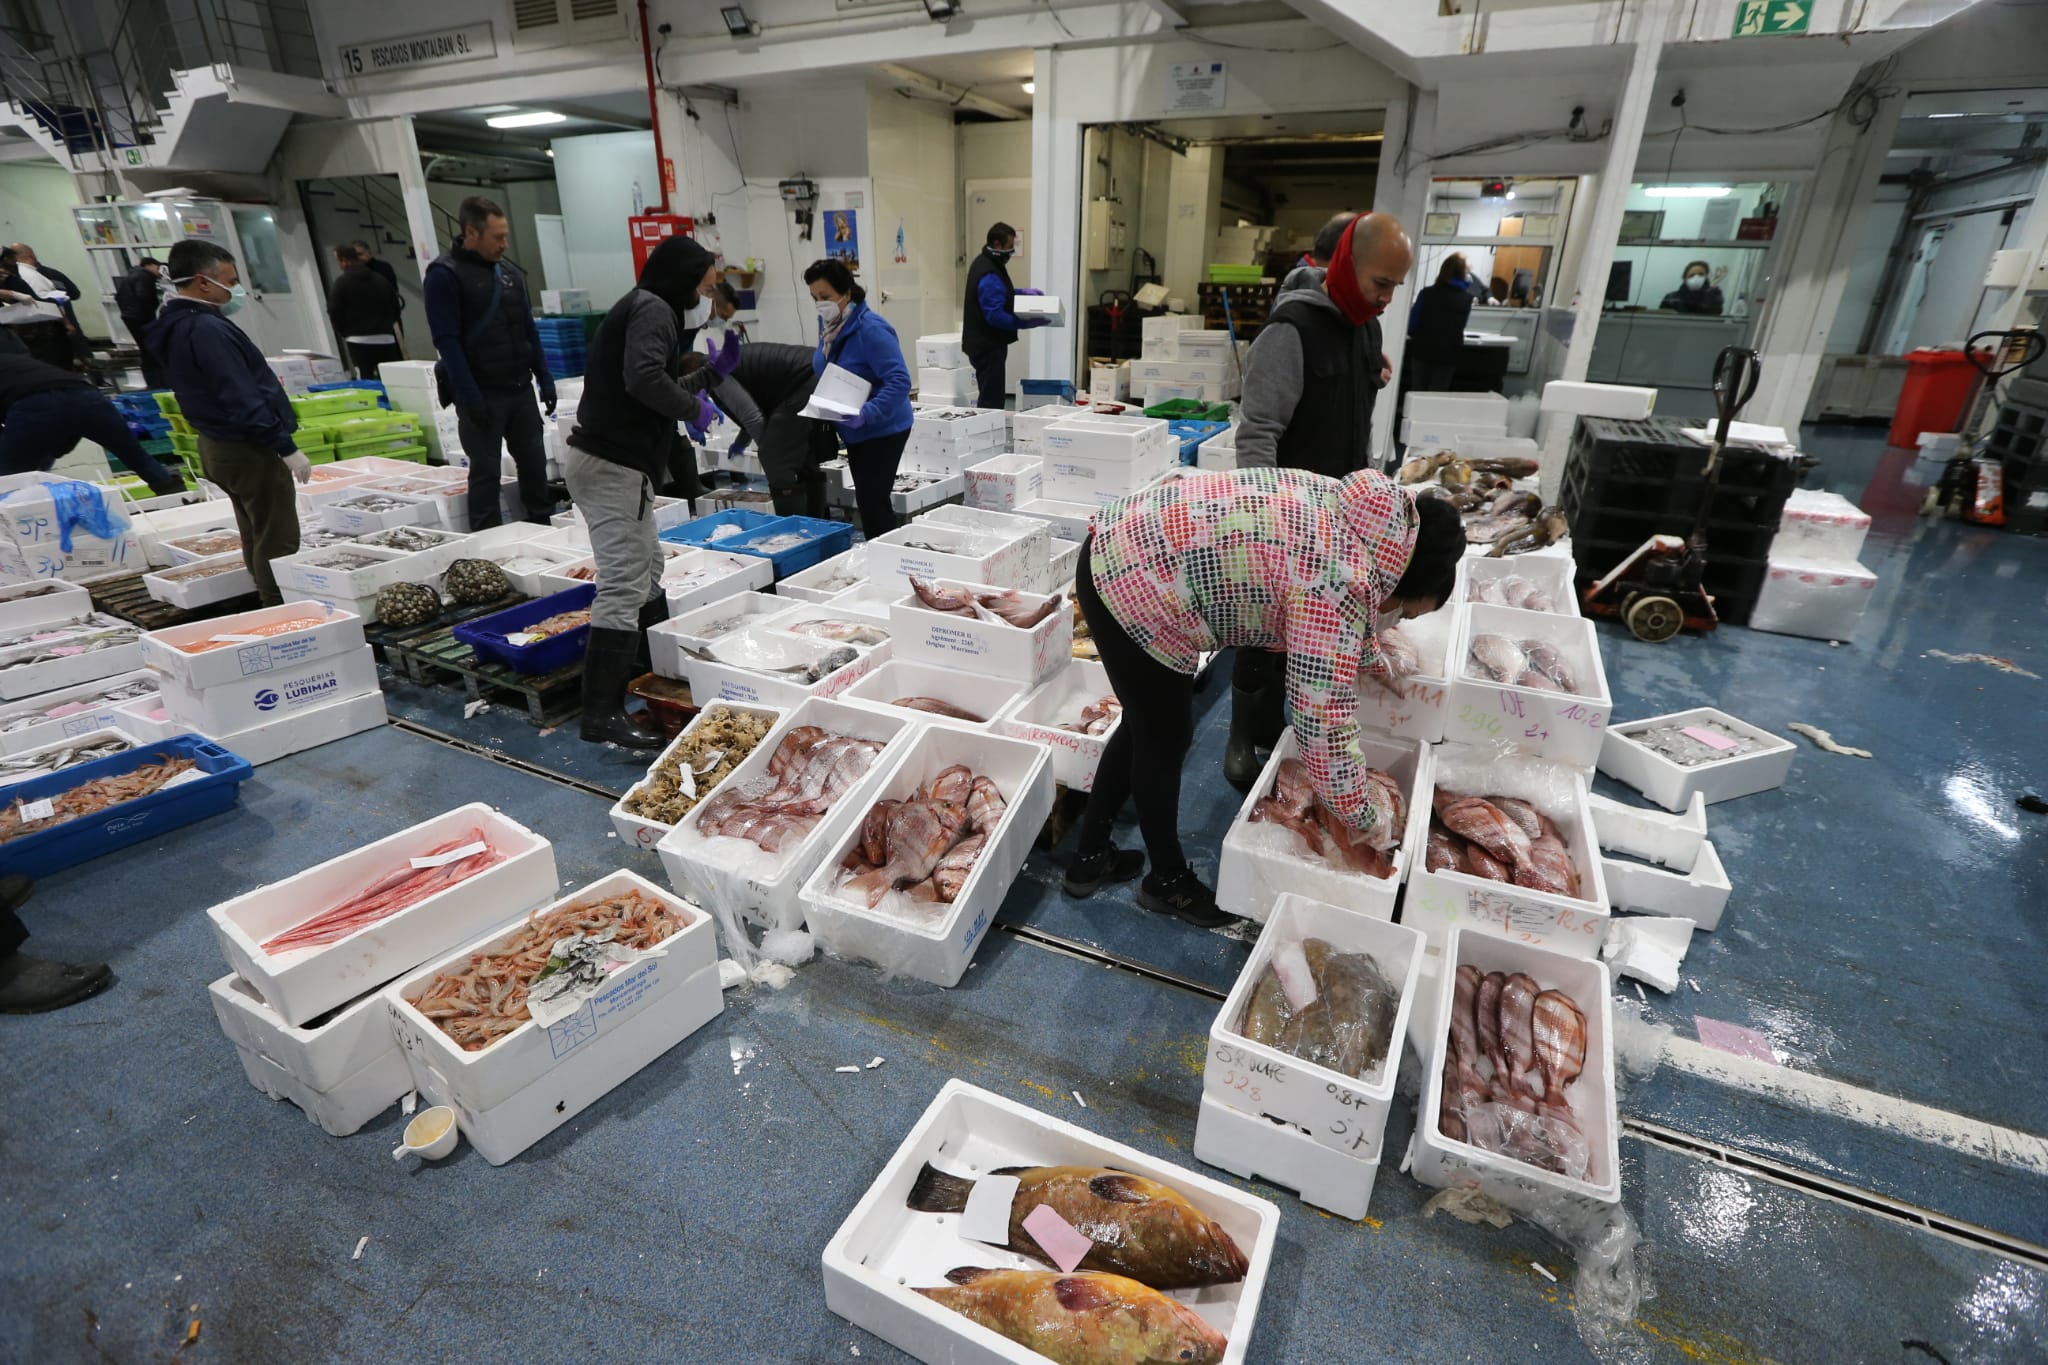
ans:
x=765 y=395
x=625 y=426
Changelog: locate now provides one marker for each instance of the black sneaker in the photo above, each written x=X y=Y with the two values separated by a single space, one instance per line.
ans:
x=31 y=985
x=1183 y=896
x=1085 y=876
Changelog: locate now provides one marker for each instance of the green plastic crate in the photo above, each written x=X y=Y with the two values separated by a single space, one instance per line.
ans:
x=159 y=445
x=315 y=405
x=351 y=426
x=387 y=444
x=185 y=443
x=166 y=402
x=1236 y=274
x=1189 y=410
x=417 y=454
x=181 y=427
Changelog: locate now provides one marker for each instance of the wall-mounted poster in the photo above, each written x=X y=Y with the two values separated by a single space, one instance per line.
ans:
x=1439 y=224
x=842 y=236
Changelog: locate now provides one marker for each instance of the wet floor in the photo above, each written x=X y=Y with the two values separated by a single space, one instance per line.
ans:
x=1878 y=937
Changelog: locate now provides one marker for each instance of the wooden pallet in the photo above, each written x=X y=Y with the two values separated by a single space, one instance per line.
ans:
x=432 y=656
x=382 y=636
x=127 y=598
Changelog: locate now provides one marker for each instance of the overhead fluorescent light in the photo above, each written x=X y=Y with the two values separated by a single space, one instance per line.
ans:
x=532 y=118
x=1031 y=87
x=737 y=24
x=941 y=9
x=1687 y=191
x=551 y=153
x=1948 y=116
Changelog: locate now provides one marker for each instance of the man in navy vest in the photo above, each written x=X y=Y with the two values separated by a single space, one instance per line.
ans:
x=482 y=323
x=989 y=323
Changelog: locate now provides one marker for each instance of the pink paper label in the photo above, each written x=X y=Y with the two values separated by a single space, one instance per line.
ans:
x=1722 y=1036
x=67 y=650
x=1707 y=737
x=69 y=708
x=1057 y=1237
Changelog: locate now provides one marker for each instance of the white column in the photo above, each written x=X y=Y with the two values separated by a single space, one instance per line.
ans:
x=1406 y=196
x=412 y=188
x=1809 y=283
x=1055 y=221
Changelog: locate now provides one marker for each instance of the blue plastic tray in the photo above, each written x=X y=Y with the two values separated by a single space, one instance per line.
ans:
x=1192 y=434
x=698 y=531
x=827 y=538
x=81 y=840
x=486 y=635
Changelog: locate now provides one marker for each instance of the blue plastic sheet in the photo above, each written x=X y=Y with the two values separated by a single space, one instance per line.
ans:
x=76 y=506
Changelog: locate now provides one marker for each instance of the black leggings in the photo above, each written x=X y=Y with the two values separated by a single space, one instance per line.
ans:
x=1144 y=757
x=874 y=478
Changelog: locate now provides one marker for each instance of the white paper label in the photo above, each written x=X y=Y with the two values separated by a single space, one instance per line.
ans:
x=240 y=639
x=522 y=638
x=452 y=856
x=987 y=1215
x=1297 y=982
x=36 y=810
x=189 y=775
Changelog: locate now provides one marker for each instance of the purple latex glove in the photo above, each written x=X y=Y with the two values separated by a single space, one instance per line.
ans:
x=725 y=357
x=854 y=422
x=1034 y=293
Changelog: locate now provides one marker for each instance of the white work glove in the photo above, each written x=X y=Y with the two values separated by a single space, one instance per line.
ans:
x=300 y=466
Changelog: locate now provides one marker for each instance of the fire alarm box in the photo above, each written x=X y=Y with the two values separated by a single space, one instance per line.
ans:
x=650 y=230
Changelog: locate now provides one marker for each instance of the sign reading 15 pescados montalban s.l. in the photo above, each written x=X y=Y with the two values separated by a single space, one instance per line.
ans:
x=460 y=43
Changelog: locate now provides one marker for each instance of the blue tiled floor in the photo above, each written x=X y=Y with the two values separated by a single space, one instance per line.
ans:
x=1878 y=936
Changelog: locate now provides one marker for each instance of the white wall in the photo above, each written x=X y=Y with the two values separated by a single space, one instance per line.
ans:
x=36 y=199
x=911 y=157
x=597 y=176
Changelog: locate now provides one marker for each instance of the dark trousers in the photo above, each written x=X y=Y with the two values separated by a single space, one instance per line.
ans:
x=46 y=341
x=152 y=368
x=266 y=505
x=45 y=426
x=1258 y=679
x=364 y=359
x=1430 y=375
x=1144 y=757
x=508 y=420
x=874 y=477
x=989 y=376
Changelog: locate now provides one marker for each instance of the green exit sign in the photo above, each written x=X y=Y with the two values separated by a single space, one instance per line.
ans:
x=1765 y=18
x=134 y=156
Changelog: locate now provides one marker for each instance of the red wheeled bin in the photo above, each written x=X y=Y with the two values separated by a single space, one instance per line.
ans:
x=1937 y=385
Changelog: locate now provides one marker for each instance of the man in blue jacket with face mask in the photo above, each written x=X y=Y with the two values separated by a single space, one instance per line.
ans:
x=989 y=323
x=227 y=391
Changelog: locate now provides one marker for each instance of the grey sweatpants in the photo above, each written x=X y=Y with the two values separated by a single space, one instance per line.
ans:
x=618 y=508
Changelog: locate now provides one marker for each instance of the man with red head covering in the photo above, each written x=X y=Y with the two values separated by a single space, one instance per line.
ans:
x=1309 y=386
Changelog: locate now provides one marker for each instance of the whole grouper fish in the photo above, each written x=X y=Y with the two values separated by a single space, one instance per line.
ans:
x=1081 y=1319
x=1141 y=1228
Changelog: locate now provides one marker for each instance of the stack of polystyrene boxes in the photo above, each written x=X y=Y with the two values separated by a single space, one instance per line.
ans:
x=560 y=301
x=325 y=368
x=269 y=682
x=1437 y=421
x=37 y=540
x=295 y=372
x=311 y=1024
x=1204 y=366
x=1813 y=584
x=1109 y=383
x=1095 y=459
x=946 y=440
x=943 y=374
x=409 y=386
x=1027 y=428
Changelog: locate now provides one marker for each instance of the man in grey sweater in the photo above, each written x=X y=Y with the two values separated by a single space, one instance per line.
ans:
x=1309 y=385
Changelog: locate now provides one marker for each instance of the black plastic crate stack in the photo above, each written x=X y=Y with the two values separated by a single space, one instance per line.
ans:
x=1625 y=481
x=2019 y=441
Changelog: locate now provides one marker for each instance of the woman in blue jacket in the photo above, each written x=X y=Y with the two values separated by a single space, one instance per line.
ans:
x=859 y=340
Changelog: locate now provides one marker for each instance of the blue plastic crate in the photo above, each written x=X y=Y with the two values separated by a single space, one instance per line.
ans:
x=486 y=635
x=1192 y=434
x=87 y=837
x=698 y=531
x=826 y=538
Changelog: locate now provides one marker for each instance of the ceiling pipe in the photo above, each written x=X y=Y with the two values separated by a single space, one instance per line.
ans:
x=959 y=97
x=654 y=115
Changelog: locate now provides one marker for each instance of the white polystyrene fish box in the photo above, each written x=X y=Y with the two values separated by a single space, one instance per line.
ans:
x=1096 y=437
x=1042 y=718
x=1438 y=901
x=20 y=679
x=1030 y=540
x=696 y=577
x=737 y=876
x=1065 y=561
x=155 y=530
x=365 y=511
x=940 y=349
x=59 y=754
x=1756 y=760
x=1028 y=425
x=1445 y=1163
x=1489 y=582
x=445 y=547
x=145 y=718
x=1345 y=1113
x=1812 y=598
x=931 y=941
x=41 y=602
x=525 y=565
x=983 y=645
x=1286 y=1154
x=1817 y=526
x=1568 y=727
x=321 y=1055
x=1092 y=480
x=923 y=550
x=296 y=731
x=303 y=982
x=666 y=640
x=227 y=707
x=1423 y=700
x=1463 y=409
x=743 y=667
x=484 y=1079
x=333 y=574
x=805 y=620
x=202 y=582
x=870 y=598
x=884 y=1251
x=638 y=831
x=345 y=1108
x=72 y=712
x=987 y=698
x=1262 y=859
x=236 y=647
x=1003 y=483
x=826 y=580
x=1069 y=520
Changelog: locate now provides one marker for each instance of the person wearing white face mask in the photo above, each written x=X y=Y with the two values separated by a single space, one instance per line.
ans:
x=1694 y=294
x=227 y=391
x=861 y=341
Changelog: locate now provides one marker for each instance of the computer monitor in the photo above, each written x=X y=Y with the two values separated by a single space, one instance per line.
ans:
x=1620 y=276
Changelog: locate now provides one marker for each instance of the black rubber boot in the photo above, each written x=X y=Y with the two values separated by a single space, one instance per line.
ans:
x=31 y=985
x=1086 y=875
x=787 y=502
x=816 y=505
x=1241 y=761
x=1183 y=896
x=652 y=613
x=607 y=667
